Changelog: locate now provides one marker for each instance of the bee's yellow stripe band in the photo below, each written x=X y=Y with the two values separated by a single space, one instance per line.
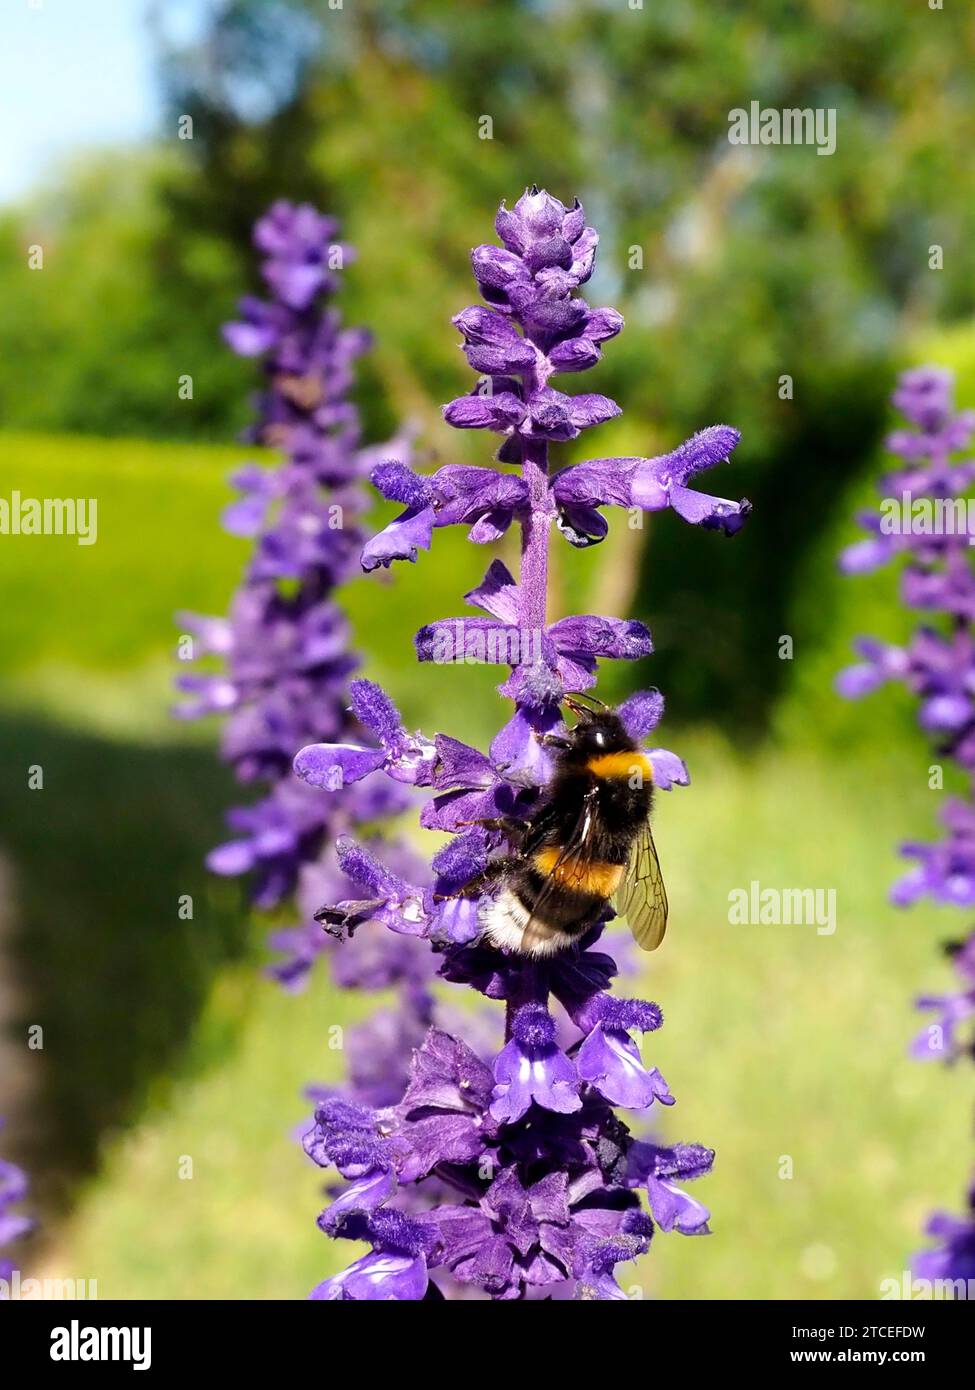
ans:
x=625 y=765
x=584 y=875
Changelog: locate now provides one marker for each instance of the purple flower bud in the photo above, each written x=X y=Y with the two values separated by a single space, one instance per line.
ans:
x=400 y=484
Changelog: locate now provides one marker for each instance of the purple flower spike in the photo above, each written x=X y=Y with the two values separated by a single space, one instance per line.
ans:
x=534 y=328
x=285 y=653
x=918 y=524
x=278 y=673
x=508 y=1164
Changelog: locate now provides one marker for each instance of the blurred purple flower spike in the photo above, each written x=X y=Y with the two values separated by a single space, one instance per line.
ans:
x=925 y=520
x=285 y=650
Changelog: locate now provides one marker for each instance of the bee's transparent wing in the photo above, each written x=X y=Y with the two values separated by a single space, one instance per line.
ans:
x=577 y=846
x=641 y=897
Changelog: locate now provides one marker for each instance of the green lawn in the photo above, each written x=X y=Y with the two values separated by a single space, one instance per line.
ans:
x=162 y=1040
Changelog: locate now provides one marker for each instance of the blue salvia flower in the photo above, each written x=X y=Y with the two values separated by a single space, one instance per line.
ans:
x=507 y=1171
x=280 y=664
x=285 y=651
x=924 y=521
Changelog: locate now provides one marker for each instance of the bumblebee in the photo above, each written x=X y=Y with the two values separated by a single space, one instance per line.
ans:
x=587 y=845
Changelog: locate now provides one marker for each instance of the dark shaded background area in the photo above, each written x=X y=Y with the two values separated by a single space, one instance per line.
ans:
x=101 y=958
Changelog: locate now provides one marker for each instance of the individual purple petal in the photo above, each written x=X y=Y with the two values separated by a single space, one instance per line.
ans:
x=602 y=324
x=437 y=1139
x=456 y=920
x=333 y=766
x=234 y=857
x=582 y=526
x=674 y=1210
x=380 y=1275
x=496 y=269
x=446 y=1074
x=607 y=481
x=480 y=325
x=624 y=639
x=714 y=513
x=641 y=713
x=864 y=556
x=257 y=332
x=574 y=355
x=363 y=868
x=485 y=412
x=859 y=680
x=469 y=641
x=362 y=1196
x=409 y=533
x=609 y=1060
x=591 y=409
x=517 y=749
x=668 y=770
x=497 y=594
x=459 y=765
x=703 y=450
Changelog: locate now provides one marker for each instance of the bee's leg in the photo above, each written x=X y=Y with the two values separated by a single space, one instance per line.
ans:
x=553 y=741
x=475 y=886
x=513 y=830
x=342 y=920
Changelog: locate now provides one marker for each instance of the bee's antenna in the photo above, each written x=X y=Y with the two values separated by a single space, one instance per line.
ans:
x=583 y=711
x=573 y=696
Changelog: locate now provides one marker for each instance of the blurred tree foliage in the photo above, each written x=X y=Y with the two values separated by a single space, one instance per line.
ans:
x=735 y=266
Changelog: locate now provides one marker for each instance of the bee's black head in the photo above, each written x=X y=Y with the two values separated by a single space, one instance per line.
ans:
x=597 y=731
